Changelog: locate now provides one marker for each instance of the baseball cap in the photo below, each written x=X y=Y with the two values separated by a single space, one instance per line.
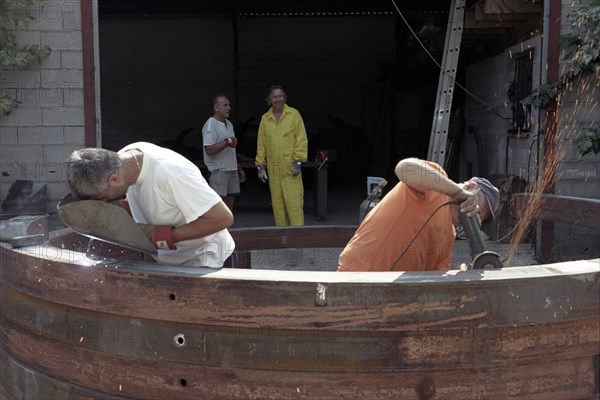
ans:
x=492 y=195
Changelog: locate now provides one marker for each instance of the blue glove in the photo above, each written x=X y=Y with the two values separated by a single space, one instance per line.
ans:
x=296 y=165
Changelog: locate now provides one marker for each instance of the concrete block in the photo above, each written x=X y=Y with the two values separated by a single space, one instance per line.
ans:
x=12 y=155
x=62 y=40
x=582 y=113
x=72 y=60
x=46 y=17
x=575 y=243
x=64 y=116
x=581 y=169
x=579 y=188
x=572 y=153
x=23 y=116
x=58 y=155
x=8 y=135
x=75 y=135
x=37 y=170
x=27 y=37
x=71 y=15
x=21 y=79
x=63 y=78
x=55 y=191
x=73 y=97
x=40 y=97
x=52 y=61
x=41 y=135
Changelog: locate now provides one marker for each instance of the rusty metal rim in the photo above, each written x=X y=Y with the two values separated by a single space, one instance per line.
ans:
x=401 y=334
x=36 y=384
x=306 y=305
x=155 y=379
x=269 y=348
x=570 y=268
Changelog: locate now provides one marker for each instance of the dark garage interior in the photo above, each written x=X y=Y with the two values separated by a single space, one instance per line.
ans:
x=365 y=86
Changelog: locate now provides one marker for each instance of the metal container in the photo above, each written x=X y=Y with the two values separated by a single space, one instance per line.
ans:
x=74 y=327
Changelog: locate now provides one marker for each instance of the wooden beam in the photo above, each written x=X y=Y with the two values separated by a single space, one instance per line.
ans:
x=471 y=22
x=565 y=209
x=511 y=6
x=481 y=15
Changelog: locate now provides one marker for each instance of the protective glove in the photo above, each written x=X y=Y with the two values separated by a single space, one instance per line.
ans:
x=125 y=204
x=262 y=174
x=159 y=235
x=231 y=141
x=296 y=165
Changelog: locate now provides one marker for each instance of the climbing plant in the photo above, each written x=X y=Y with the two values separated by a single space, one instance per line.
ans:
x=583 y=57
x=588 y=140
x=16 y=15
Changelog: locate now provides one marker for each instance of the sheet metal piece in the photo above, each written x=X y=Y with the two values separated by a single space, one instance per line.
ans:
x=24 y=230
x=105 y=221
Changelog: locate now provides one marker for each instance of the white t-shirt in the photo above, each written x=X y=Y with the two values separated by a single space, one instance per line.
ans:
x=171 y=191
x=215 y=131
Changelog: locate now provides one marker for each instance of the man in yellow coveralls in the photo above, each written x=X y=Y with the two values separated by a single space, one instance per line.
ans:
x=281 y=150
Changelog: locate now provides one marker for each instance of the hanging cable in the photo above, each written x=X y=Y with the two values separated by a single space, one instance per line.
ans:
x=477 y=99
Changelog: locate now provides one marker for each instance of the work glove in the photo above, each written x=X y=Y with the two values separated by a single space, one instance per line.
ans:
x=125 y=204
x=262 y=174
x=296 y=165
x=231 y=141
x=159 y=235
x=241 y=174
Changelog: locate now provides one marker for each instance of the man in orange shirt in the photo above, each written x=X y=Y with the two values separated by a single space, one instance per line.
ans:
x=388 y=239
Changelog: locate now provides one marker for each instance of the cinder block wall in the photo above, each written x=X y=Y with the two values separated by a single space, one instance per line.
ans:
x=38 y=136
x=578 y=108
x=489 y=80
x=576 y=175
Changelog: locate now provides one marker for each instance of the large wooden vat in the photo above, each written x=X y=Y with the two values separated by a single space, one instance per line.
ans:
x=131 y=329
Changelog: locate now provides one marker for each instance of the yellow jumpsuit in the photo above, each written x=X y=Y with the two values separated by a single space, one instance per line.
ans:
x=279 y=144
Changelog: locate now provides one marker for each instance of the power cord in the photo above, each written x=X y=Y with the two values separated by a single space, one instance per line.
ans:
x=452 y=202
x=473 y=96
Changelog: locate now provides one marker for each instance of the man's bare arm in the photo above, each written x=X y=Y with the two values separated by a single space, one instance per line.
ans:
x=217 y=218
x=421 y=176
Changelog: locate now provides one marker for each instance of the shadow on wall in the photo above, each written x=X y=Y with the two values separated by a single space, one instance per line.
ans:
x=25 y=197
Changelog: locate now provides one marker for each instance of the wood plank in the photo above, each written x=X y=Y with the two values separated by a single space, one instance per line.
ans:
x=471 y=22
x=566 y=209
x=481 y=15
x=512 y=6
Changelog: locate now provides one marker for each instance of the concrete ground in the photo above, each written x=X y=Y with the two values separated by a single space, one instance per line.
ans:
x=253 y=209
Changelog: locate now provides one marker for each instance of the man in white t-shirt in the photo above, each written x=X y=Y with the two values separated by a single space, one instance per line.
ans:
x=184 y=218
x=219 y=143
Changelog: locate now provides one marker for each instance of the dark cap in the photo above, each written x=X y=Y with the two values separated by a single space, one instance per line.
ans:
x=492 y=195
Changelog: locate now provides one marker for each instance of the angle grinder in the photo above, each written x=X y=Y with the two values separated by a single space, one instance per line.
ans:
x=482 y=259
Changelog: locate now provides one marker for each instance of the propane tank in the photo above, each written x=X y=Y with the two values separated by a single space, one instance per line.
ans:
x=374 y=187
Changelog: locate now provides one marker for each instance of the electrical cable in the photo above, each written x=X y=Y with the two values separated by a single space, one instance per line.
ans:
x=452 y=202
x=477 y=99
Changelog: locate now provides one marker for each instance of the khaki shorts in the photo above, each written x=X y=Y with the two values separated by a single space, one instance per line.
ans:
x=225 y=183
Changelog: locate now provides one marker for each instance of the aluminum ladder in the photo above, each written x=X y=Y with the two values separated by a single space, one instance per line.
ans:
x=443 y=105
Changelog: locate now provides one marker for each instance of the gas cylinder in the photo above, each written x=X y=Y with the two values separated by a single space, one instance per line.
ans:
x=374 y=187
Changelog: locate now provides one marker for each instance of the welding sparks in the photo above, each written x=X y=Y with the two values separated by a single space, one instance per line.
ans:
x=564 y=120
